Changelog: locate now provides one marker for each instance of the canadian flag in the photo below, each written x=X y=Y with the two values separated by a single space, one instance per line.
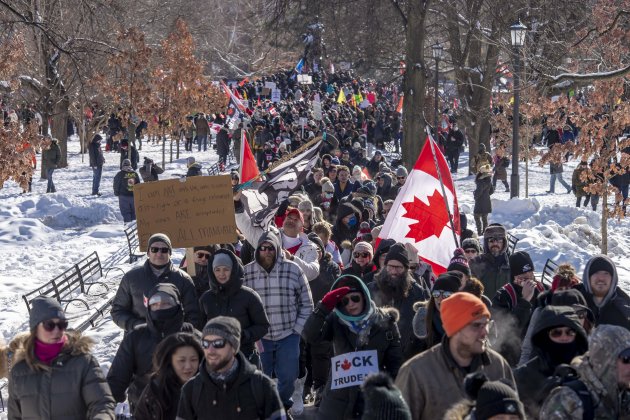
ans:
x=419 y=215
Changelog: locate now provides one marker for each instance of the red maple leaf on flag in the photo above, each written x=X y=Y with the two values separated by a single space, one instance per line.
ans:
x=431 y=219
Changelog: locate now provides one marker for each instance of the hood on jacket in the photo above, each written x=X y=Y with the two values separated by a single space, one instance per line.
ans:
x=76 y=344
x=236 y=276
x=613 y=284
x=494 y=230
x=273 y=237
x=176 y=315
x=558 y=316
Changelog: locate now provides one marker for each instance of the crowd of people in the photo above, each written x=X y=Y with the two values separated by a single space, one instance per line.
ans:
x=316 y=309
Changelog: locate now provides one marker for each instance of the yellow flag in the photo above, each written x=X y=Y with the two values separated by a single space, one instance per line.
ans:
x=341 y=98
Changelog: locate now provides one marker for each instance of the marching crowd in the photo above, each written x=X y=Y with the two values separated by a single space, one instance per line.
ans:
x=315 y=309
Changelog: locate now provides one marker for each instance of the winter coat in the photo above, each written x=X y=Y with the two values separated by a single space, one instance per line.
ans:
x=532 y=376
x=494 y=272
x=128 y=309
x=432 y=382
x=481 y=158
x=284 y=291
x=96 y=154
x=556 y=168
x=404 y=306
x=365 y=273
x=500 y=167
x=383 y=337
x=223 y=142
x=71 y=388
x=387 y=191
x=329 y=271
x=124 y=182
x=251 y=395
x=577 y=184
x=454 y=140
x=237 y=301
x=597 y=369
x=615 y=307
x=150 y=406
x=483 y=204
x=194 y=170
x=201 y=126
x=350 y=187
x=150 y=171
x=132 y=154
x=131 y=367
x=52 y=156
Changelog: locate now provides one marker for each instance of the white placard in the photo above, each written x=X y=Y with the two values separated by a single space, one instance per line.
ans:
x=275 y=96
x=270 y=85
x=303 y=121
x=351 y=369
x=305 y=79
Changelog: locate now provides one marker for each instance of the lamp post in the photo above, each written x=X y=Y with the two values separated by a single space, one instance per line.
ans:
x=437 y=50
x=517 y=32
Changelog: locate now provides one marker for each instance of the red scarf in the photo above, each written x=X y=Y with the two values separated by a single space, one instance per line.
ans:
x=47 y=352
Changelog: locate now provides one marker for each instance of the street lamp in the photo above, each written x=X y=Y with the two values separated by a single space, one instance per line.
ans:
x=437 y=51
x=517 y=32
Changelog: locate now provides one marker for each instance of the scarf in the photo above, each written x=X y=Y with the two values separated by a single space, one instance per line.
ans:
x=225 y=377
x=47 y=352
x=360 y=324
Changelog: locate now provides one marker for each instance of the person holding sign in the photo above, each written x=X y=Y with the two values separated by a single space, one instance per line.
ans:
x=365 y=340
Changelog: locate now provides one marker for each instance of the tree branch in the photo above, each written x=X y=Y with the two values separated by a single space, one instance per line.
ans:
x=400 y=11
x=605 y=31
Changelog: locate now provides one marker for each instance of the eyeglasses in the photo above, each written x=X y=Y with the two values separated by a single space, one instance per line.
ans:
x=470 y=251
x=156 y=249
x=361 y=254
x=441 y=294
x=347 y=299
x=559 y=332
x=204 y=255
x=219 y=343
x=481 y=325
x=266 y=248
x=50 y=325
x=495 y=240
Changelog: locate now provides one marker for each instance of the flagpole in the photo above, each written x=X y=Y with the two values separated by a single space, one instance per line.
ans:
x=439 y=173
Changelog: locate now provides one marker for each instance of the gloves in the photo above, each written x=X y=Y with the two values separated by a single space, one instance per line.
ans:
x=332 y=298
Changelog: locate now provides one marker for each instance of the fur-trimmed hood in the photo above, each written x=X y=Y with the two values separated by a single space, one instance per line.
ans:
x=76 y=344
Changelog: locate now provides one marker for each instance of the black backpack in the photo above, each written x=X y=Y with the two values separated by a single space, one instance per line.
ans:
x=565 y=375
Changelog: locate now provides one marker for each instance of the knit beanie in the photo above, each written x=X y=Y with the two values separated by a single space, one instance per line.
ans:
x=459 y=262
x=398 y=252
x=364 y=247
x=225 y=327
x=210 y=248
x=346 y=209
x=520 y=263
x=563 y=281
x=492 y=397
x=449 y=282
x=459 y=310
x=471 y=243
x=401 y=171
x=600 y=264
x=222 y=260
x=383 y=401
x=328 y=186
x=126 y=163
x=160 y=237
x=44 y=308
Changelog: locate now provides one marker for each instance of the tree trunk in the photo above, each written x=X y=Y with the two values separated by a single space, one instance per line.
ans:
x=604 y=230
x=414 y=83
x=59 y=130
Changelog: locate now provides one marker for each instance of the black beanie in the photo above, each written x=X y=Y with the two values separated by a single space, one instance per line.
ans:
x=317 y=241
x=44 y=308
x=520 y=263
x=398 y=252
x=383 y=401
x=600 y=263
x=449 y=281
x=346 y=209
x=492 y=397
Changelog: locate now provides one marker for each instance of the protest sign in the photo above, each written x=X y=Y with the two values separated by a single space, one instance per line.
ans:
x=275 y=96
x=192 y=211
x=351 y=369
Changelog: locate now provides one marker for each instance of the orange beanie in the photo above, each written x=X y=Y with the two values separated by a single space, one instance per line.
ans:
x=459 y=310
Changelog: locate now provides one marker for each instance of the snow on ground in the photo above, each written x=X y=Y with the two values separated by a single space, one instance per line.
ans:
x=41 y=234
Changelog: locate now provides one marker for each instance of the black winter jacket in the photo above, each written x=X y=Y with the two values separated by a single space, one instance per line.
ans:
x=124 y=182
x=96 y=154
x=251 y=395
x=483 y=204
x=128 y=308
x=237 y=301
x=223 y=142
x=329 y=271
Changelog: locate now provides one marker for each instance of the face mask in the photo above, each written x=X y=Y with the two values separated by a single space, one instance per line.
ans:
x=164 y=314
x=352 y=221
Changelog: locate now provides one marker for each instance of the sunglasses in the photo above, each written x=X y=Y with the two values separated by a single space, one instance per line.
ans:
x=470 y=251
x=201 y=255
x=559 y=332
x=219 y=343
x=353 y=298
x=50 y=325
x=266 y=248
x=156 y=249
x=361 y=254
x=441 y=293
x=495 y=240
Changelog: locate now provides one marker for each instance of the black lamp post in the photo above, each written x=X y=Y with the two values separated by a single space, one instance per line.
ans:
x=517 y=32
x=437 y=50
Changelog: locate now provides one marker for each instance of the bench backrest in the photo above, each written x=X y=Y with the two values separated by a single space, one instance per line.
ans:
x=512 y=241
x=131 y=232
x=548 y=272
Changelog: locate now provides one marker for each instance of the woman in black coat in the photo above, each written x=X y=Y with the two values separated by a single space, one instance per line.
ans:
x=228 y=297
x=483 y=205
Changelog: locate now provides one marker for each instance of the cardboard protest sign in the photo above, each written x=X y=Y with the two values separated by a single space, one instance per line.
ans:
x=351 y=369
x=196 y=211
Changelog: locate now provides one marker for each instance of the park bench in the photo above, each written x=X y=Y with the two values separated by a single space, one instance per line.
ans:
x=131 y=232
x=549 y=271
x=512 y=241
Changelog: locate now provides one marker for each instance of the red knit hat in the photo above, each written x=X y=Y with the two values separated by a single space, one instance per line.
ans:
x=563 y=281
x=461 y=309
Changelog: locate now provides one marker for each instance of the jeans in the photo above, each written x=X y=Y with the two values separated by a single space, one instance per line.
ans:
x=127 y=208
x=51 y=185
x=96 y=179
x=552 y=183
x=282 y=357
x=202 y=139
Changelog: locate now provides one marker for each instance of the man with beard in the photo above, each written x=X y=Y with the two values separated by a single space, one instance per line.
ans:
x=395 y=286
x=464 y=349
x=492 y=267
x=287 y=300
x=227 y=385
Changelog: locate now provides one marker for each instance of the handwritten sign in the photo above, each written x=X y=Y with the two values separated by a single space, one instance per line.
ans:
x=197 y=211
x=351 y=369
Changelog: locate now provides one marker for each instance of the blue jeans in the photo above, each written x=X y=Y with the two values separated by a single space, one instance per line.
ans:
x=552 y=183
x=204 y=140
x=282 y=357
x=96 y=179
x=127 y=208
x=50 y=188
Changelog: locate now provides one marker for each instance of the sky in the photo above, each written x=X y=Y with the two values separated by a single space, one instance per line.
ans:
x=41 y=235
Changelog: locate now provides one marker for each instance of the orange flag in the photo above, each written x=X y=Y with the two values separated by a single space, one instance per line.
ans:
x=249 y=169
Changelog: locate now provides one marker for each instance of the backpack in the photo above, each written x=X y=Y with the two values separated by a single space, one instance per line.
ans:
x=566 y=375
